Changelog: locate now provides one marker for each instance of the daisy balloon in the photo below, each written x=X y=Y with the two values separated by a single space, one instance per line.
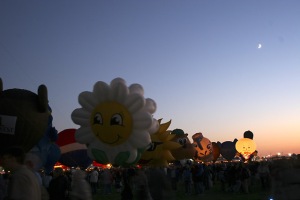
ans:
x=115 y=122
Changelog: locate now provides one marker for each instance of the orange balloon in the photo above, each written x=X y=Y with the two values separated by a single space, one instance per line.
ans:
x=203 y=148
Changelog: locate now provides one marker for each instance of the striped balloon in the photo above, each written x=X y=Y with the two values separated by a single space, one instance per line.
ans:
x=73 y=154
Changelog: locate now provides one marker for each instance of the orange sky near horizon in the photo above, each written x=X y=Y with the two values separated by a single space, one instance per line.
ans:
x=268 y=141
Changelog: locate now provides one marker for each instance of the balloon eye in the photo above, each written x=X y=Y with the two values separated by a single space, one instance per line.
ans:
x=208 y=146
x=98 y=119
x=182 y=141
x=116 y=119
x=151 y=147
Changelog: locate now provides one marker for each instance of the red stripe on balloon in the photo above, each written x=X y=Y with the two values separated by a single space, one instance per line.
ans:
x=66 y=136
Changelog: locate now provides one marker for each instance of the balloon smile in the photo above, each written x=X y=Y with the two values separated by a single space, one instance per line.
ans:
x=115 y=141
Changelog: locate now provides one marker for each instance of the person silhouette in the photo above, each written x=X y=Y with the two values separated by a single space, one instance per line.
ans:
x=23 y=183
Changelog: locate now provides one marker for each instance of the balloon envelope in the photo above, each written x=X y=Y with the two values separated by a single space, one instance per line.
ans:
x=52 y=157
x=122 y=122
x=73 y=154
x=23 y=117
x=216 y=151
x=203 y=146
x=228 y=150
x=46 y=149
x=187 y=149
x=246 y=147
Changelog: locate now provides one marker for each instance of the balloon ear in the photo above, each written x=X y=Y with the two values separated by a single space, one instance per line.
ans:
x=42 y=98
x=248 y=134
x=1 y=85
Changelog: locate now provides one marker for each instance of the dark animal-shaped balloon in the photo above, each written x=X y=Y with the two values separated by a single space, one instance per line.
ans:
x=228 y=150
x=23 y=116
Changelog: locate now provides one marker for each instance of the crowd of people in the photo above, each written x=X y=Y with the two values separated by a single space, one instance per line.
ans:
x=23 y=180
x=279 y=178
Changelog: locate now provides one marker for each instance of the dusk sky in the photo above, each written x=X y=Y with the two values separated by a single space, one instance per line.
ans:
x=216 y=67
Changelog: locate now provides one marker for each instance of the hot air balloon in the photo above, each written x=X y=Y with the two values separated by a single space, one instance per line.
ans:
x=187 y=149
x=159 y=152
x=73 y=154
x=122 y=121
x=23 y=117
x=216 y=151
x=228 y=150
x=246 y=147
x=46 y=148
x=203 y=146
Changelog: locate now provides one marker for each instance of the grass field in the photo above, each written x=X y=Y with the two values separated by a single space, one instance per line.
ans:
x=214 y=193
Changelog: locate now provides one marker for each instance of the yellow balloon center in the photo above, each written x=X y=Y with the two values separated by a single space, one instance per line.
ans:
x=245 y=146
x=111 y=122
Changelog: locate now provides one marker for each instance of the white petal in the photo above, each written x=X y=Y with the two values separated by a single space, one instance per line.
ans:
x=84 y=135
x=134 y=102
x=101 y=146
x=142 y=120
x=154 y=126
x=150 y=105
x=136 y=88
x=140 y=139
x=112 y=154
x=119 y=92
x=125 y=146
x=101 y=91
x=117 y=81
x=87 y=100
x=81 y=117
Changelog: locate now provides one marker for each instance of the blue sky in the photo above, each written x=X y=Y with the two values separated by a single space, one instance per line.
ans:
x=199 y=60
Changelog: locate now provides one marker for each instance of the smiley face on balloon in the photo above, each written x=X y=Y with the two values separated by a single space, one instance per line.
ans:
x=245 y=147
x=111 y=123
x=115 y=122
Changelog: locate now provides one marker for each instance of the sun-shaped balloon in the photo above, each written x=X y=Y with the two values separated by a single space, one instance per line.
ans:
x=159 y=153
x=115 y=122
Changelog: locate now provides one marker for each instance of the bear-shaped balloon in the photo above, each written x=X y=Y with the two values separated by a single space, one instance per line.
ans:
x=227 y=149
x=187 y=149
x=23 y=117
x=246 y=147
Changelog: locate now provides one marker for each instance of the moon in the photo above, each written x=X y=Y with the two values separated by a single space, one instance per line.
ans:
x=259 y=46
